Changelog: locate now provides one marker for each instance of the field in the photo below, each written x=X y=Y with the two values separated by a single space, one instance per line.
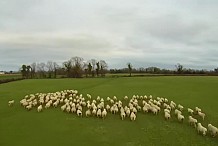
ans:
x=53 y=127
x=10 y=76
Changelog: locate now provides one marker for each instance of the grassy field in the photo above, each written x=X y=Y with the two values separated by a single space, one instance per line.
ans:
x=53 y=127
x=10 y=76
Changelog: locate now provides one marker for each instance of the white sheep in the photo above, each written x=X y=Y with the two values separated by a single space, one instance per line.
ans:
x=180 y=117
x=180 y=107
x=213 y=130
x=192 y=121
x=125 y=97
x=167 y=115
x=94 y=112
x=39 y=108
x=79 y=113
x=11 y=102
x=201 y=129
x=190 y=111
x=88 y=113
x=104 y=113
x=132 y=116
x=177 y=112
x=167 y=111
x=197 y=109
x=99 y=113
x=201 y=115
x=123 y=115
x=128 y=112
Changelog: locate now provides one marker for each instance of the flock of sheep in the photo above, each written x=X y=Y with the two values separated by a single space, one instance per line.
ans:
x=71 y=101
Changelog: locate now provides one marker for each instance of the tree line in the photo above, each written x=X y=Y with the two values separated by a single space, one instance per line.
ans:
x=75 y=67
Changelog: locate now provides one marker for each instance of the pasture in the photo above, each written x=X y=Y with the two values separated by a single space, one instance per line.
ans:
x=53 y=127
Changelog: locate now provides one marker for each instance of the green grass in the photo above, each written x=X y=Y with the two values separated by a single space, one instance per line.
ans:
x=53 y=127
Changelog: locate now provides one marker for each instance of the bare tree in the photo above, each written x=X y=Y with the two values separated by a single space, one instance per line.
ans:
x=103 y=67
x=50 y=68
x=33 y=71
x=130 y=69
x=179 y=68
x=41 y=69
x=77 y=66
x=68 y=67
x=93 y=62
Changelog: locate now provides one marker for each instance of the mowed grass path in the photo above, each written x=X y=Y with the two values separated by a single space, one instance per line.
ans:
x=53 y=127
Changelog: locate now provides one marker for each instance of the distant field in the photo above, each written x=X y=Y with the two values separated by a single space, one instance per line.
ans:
x=10 y=76
x=53 y=127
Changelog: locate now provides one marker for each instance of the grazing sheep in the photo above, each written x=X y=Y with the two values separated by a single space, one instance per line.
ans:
x=39 y=108
x=11 y=103
x=154 y=110
x=94 y=112
x=79 y=113
x=180 y=107
x=88 y=113
x=201 y=115
x=167 y=115
x=192 y=121
x=145 y=108
x=201 y=129
x=104 y=113
x=68 y=109
x=180 y=117
x=197 y=109
x=123 y=115
x=167 y=111
x=128 y=112
x=29 y=107
x=190 y=111
x=125 y=97
x=177 y=112
x=213 y=130
x=99 y=113
x=63 y=107
x=132 y=116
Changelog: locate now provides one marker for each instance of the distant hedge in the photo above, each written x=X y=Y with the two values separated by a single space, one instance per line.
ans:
x=10 y=80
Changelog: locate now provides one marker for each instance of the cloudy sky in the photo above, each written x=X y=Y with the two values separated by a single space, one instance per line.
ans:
x=146 y=33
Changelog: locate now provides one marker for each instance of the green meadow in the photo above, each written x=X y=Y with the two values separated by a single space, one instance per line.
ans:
x=19 y=127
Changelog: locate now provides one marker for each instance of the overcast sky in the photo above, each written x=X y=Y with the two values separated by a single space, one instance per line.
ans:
x=146 y=33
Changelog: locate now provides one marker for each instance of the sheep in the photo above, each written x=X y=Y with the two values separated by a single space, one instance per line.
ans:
x=29 y=107
x=68 y=109
x=88 y=113
x=128 y=112
x=99 y=113
x=197 y=109
x=94 y=112
x=201 y=129
x=213 y=130
x=132 y=116
x=180 y=107
x=39 y=108
x=104 y=113
x=63 y=107
x=79 y=113
x=177 y=112
x=108 y=107
x=123 y=115
x=192 y=121
x=201 y=115
x=11 y=103
x=180 y=117
x=145 y=108
x=167 y=111
x=125 y=97
x=167 y=115
x=190 y=111
x=154 y=110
